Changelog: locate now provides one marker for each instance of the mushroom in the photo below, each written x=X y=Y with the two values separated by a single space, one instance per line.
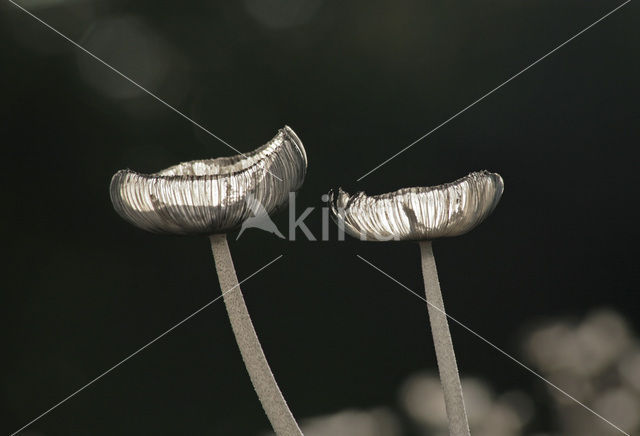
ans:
x=423 y=214
x=212 y=197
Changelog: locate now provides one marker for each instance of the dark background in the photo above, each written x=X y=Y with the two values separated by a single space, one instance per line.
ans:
x=357 y=81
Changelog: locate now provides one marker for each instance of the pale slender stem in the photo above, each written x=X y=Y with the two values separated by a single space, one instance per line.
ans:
x=453 y=400
x=255 y=361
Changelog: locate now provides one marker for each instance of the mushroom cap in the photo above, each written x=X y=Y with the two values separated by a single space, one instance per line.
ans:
x=212 y=195
x=420 y=213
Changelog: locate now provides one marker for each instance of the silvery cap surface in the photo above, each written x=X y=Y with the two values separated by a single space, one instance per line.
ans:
x=212 y=195
x=420 y=213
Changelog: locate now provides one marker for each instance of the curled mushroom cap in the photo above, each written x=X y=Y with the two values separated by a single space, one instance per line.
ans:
x=419 y=213
x=212 y=195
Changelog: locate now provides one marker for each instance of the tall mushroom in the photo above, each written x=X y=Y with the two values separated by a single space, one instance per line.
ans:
x=211 y=197
x=423 y=214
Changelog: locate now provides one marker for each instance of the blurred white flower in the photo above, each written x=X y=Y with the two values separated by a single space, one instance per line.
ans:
x=376 y=422
x=621 y=406
x=629 y=369
x=587 y=348
x=597 y=361
x=422 y=399
x=554 y=347
x=602 y=337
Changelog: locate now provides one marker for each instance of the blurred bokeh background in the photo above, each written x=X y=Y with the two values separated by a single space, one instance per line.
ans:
x=551 y=277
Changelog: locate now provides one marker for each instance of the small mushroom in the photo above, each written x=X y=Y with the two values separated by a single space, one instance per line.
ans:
x=423 y=214
x=212 y=197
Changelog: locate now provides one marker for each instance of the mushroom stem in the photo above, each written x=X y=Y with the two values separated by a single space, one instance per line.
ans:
x=449 y=377
x=254 y=359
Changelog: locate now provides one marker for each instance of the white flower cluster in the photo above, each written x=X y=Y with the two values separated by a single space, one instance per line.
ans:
x=596 y=360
